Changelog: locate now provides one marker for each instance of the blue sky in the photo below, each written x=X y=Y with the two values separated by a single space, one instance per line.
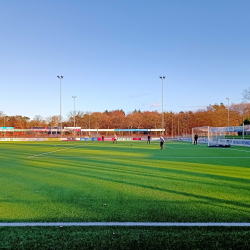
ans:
x=111 y=54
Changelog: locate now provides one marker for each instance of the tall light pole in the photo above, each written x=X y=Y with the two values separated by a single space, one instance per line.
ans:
x=74 y=116
x=162 y=125
x=172 y=126
x=4 y=125
x=60 y=77
x=178 y=129
x=89 y=123
x=228 y=110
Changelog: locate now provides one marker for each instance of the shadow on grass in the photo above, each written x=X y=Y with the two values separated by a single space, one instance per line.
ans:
x=201 y=198
x=69 y=162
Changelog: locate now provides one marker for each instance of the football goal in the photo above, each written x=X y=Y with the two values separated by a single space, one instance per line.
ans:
x=212 y=136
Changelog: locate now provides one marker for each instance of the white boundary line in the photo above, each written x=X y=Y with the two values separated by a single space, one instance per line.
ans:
x=52 y=151
x=239 y=150
x=166 y=157
x=128 y=224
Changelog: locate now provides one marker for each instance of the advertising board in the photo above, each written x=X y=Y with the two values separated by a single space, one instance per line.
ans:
x=108 y=139
x=155 y=139
x=230 y=129
x=18 y=139
x=53 y=139
x=125 y=139
x=190 y=139
x=37 y=139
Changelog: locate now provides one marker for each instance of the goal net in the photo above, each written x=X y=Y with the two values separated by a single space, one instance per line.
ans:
x=212 y=136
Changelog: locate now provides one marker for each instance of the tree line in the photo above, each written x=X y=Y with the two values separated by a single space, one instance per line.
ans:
x=174 y=123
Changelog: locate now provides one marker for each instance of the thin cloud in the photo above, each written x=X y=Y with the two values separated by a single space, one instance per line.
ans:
x=155 y=105
x=195 y=107
x=138 y=95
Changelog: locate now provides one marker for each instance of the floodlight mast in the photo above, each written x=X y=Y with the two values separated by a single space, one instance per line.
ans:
x=89 y=123
x=4 y=125
x=162 y=125
x=60 y=77
x=74 y=116
x=228 y=111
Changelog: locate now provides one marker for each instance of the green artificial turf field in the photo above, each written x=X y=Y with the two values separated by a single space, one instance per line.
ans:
x=124 y=182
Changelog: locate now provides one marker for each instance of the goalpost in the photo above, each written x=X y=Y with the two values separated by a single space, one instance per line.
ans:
x=212 y=136
x=202 y=132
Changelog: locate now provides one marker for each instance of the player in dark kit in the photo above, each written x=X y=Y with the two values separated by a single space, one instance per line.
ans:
x=149 y=137
x=162 y=142
x=196 y=139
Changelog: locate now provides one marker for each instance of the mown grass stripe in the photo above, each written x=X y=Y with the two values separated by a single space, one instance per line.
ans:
x=128 y=224
x=166 y=157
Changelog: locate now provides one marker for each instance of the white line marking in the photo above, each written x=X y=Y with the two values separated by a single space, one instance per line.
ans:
x=205 y=157
x=172 y=157
x=48 y=152
x=240 y=150
x=128 y=224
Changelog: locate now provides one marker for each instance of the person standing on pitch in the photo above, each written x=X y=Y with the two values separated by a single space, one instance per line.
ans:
x=115 y=139
x=149 y=137
x=196 y=139
x=161 y=141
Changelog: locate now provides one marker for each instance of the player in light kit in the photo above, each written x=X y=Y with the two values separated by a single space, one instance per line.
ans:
x=161 y=141
x=115 y=139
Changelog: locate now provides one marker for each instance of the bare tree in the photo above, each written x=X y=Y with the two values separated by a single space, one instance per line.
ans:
x=38 y=121
x=246 y=95
x=52 y=121
x=242 y=109
x=2 y=117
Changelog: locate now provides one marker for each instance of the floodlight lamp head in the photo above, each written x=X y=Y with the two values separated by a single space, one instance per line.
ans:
x=160 y=77
x=61 y=76
x=58 y=76
x=164 y=77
